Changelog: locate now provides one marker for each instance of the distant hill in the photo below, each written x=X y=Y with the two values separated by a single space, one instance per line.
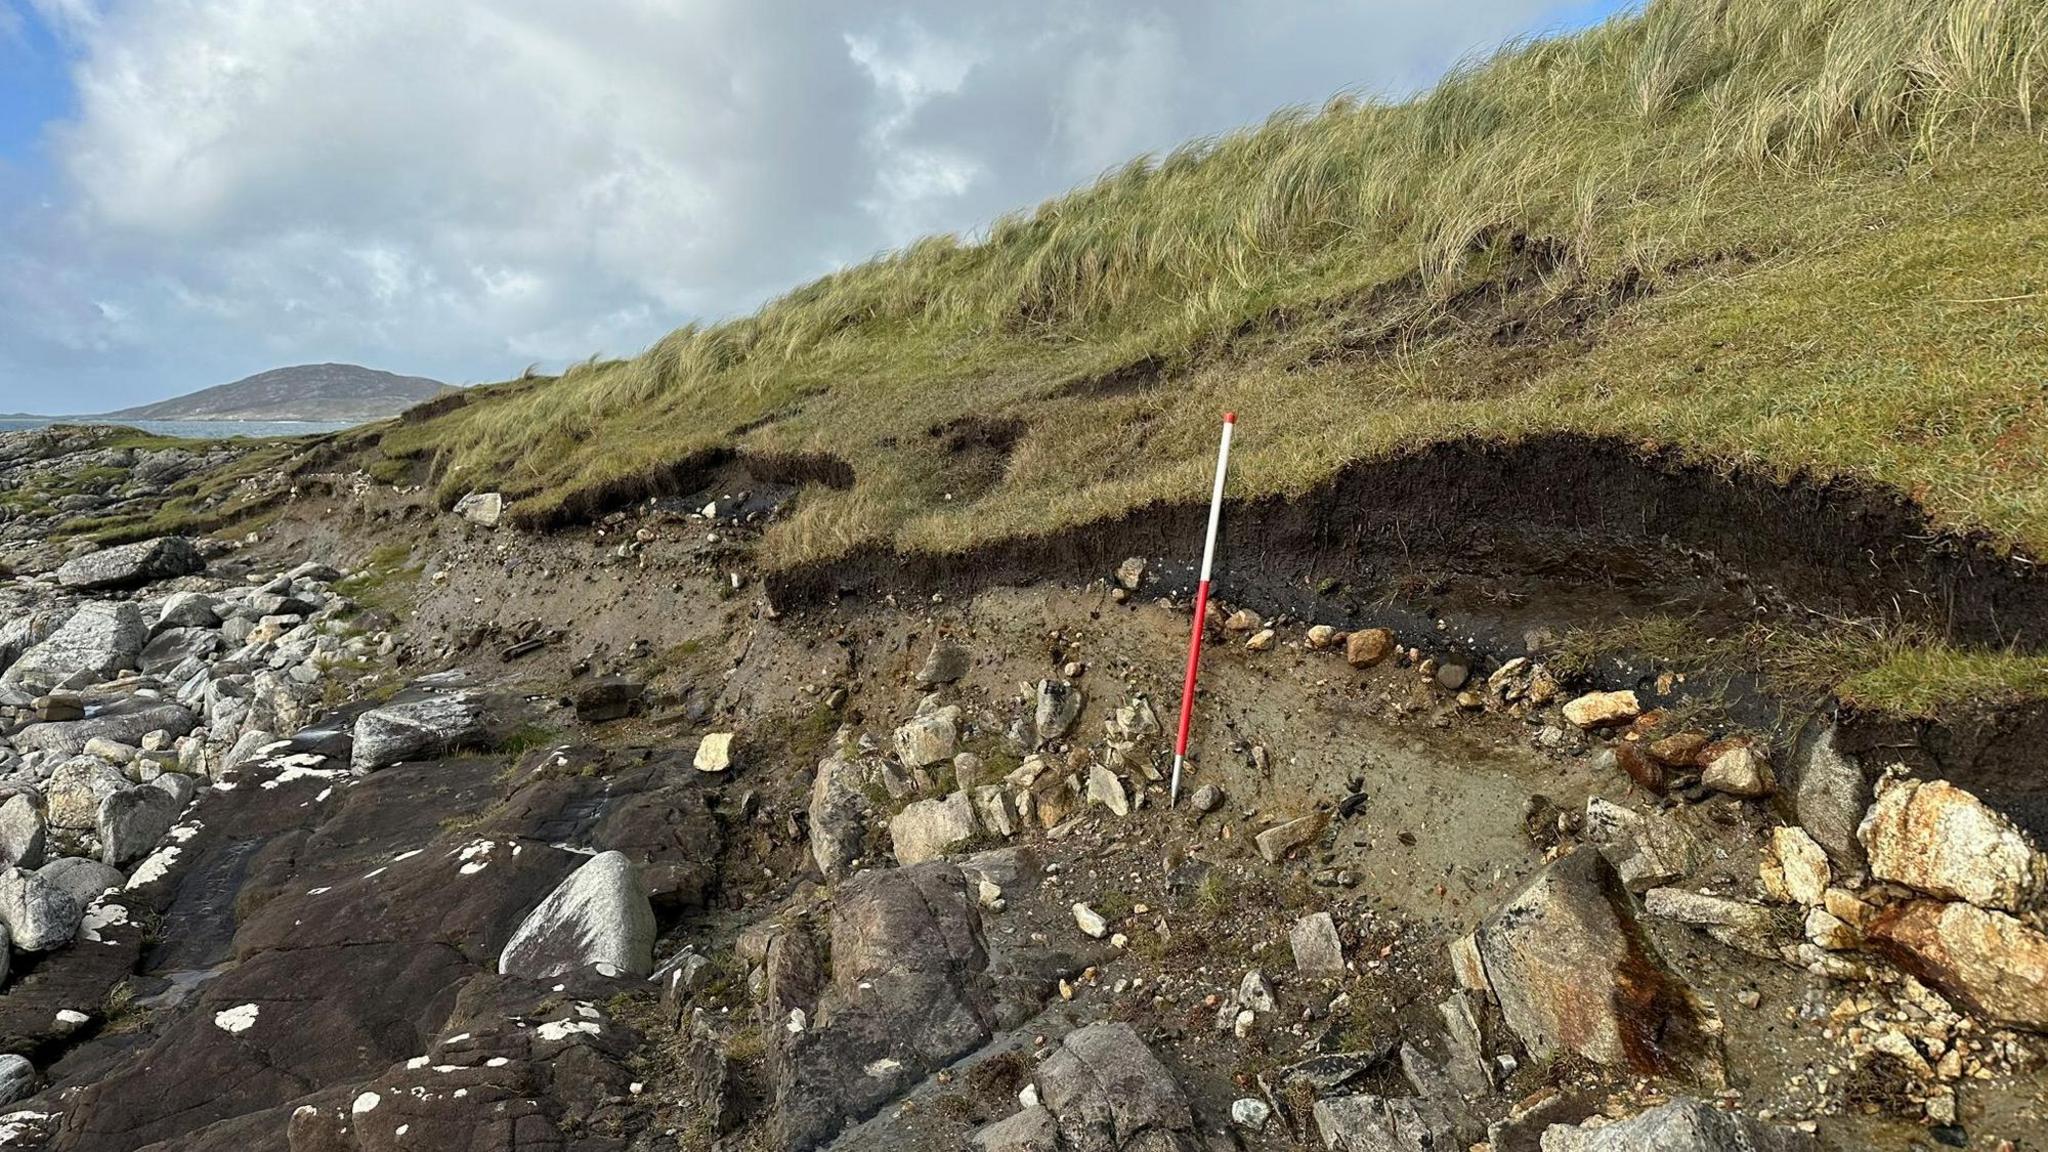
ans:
x=331 y=392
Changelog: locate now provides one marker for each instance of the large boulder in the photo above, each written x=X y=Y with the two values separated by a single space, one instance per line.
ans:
x=1108 y=1091
x=37 y=914
x=100 y=639
x=838 y=818
x=1575 y=972
x=598 y=915
x=1985 y=959
x=131 y=822
x=1681 y=1126
x=1933 y=836
x=132 y=565
x=408 y=730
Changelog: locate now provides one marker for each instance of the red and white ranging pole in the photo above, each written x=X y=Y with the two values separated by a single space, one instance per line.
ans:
x=1187 y=692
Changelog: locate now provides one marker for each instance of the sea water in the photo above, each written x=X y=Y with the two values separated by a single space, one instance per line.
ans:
x=199 y=429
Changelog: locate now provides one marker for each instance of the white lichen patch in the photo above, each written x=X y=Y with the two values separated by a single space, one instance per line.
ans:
x=324 y=794
x=373 y=873
x=102 y=915
x=416 y=1063
x=240 y=1018
x=155 y=868
x=407 y=855
x=563 y=1029
x=475 y=856
x=303 y=766
x=318 y=891
x=496 y=1062
x=883 y=1068
x=183 y=832
x=16 y=1126
x=367 y=1102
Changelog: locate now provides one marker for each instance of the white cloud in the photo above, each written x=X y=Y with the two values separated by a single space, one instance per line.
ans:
x=462 y=187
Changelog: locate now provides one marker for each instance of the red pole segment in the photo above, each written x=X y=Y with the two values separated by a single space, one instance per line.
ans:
x=1187 y=692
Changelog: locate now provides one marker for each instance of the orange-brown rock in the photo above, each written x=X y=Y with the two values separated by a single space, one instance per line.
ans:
x=1368 y=646
x=1986 y=959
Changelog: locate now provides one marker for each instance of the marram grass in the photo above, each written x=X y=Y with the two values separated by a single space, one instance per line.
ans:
x=1801 y=235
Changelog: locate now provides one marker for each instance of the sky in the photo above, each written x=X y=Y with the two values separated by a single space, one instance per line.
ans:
x=192 y=191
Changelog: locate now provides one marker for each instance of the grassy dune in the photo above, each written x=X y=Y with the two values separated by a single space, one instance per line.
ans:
x=1802 y=235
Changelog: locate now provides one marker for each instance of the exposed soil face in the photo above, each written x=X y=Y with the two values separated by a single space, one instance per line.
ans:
x=1577 y=511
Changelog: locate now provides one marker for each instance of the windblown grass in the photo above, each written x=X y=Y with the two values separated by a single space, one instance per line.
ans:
x=1802 y=235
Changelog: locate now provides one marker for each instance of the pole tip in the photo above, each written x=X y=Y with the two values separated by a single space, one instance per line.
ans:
x=1230 y=417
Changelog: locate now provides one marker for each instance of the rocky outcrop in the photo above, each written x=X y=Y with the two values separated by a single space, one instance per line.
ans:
x=1574 y=972
x=908 y=993
x=598 y=917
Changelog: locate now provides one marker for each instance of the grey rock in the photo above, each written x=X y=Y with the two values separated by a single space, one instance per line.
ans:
x=929 y=829
x=22 y=833
x=1739 y=924
x=174 y=647
x=608 y=698
x=1317 y=949
x=428 y=726
x=188 y=610
x=1683 y=1125
x=131 y=822
x=598 y=915
x=1379 y=1124
x=132 y=565
x=928 y=739
x=838 y=818
x=85 y=880
x=178 y=786
x=1830 y=794
x=1032 y=1130
x=38 y=915
x=909 y=993
x=99 y=639
x=1059 y=706
x=1208 y=798
x=946 y=662
x=1108 y=1091
x=17 y=1075
x=482 y=508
